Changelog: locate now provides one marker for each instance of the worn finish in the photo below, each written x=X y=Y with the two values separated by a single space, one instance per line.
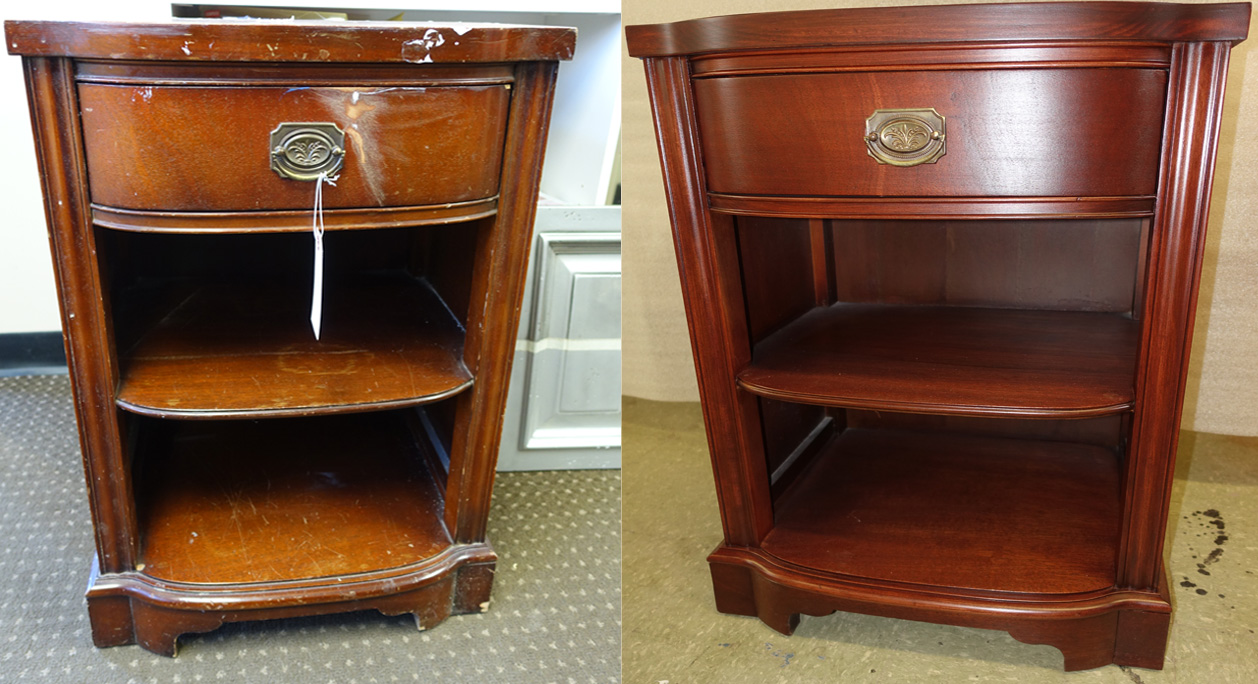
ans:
x=186 y=294
x=169 y=148
x=291 y=41
x=1035 y=368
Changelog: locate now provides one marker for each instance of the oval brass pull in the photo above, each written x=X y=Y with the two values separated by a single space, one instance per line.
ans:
x=905 y=137
x=304 y=151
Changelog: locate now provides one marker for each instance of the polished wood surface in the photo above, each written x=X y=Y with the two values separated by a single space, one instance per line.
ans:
x=267 y=502
x=1045 y=132
x=1000 y=362
x=1075 y=21
x=948 y=392
x=245 y=350
x=291 y=41
x=208 y=148
x=184 y=268
x=920 y=507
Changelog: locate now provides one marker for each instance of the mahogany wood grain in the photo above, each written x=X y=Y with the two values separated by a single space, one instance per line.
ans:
x=295 y=220
x=1070 y=265
x=501 y=261
x=1013 y=22
x=1059 y=425
x=207 y=148
x=952 y=208
x=1194 y=112
x=122 y=72
x=920 y=507
x=291 y=41
x=777 y=270
x=246 y=350
x=714 y=301
x=979 y=362
x=935 y=57
x=269 y=501
x=85 y=318
x=1047 y=132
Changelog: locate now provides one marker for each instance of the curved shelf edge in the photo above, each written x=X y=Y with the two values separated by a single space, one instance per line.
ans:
x=899 y=595
x=296 y=220
x=305 y=592
x=935 y=409
x=957 y=208
x=290 y=412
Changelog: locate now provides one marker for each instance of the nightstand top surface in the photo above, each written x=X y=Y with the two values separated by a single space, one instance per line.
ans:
x=1018 y=22
x=270 y=40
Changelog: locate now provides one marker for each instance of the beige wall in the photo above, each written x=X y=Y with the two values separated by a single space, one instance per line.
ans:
x=1222 y=391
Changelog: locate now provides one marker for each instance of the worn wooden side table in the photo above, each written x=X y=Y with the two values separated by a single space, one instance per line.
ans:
x=257 y=443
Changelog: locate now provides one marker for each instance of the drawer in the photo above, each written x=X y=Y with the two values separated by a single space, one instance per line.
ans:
x=1021 y=132
x=207 y=148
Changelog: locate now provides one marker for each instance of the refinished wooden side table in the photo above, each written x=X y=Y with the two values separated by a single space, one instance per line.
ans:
x=274 y=425
x=940 y=266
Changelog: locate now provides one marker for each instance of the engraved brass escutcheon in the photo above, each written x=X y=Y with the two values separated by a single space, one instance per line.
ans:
x=905 y=137
x=304 y=151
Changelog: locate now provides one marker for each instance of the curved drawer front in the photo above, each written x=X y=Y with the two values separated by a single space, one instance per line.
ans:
x=1027 y=132
x=208 y=148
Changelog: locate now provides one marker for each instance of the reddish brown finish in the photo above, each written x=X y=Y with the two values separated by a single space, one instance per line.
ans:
x=169 y=148
x=1001 y=362
x=1048 y=132
x=383 y=509
x=1006 y=23
x=290 y=41
x=989 y=501
x=933 y=207
x=1179 y=232
x=235 y=351
x=936 y=58
x=296 y=220
x=920 y=507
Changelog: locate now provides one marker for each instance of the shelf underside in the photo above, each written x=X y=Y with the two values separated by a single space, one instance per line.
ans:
x=953 y=511
x=247 y=502
x=233 y=349
x=950 y=360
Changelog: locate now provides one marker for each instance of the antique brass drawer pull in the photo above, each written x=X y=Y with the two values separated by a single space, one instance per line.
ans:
x=905 y=137
x=304 y=151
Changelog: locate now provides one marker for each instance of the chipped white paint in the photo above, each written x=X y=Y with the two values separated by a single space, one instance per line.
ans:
x=418 y=51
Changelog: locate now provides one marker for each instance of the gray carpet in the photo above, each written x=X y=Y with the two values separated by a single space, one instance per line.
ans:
x=555 y=614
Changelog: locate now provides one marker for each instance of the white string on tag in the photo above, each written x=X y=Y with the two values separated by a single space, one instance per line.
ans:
x=316 y=295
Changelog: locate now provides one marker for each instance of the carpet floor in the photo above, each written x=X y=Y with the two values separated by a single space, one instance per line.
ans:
x=554 y=617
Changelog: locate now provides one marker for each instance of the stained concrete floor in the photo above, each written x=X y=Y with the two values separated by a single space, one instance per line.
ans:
x=673 y=634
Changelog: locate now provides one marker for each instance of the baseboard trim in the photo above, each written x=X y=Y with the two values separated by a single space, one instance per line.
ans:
x=33 y=353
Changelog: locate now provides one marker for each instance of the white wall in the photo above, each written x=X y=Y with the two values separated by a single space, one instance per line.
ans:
x=28 y=300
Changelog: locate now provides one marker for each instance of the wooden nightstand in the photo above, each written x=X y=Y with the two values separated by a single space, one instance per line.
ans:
x=239 y=468
x=940 y=266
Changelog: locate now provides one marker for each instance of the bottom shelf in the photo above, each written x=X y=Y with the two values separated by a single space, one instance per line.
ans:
x=946 y=510
x=285 y=499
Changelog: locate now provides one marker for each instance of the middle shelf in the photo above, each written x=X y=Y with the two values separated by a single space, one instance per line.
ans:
x=218 y=326
x=238 y=350
x=950 y=360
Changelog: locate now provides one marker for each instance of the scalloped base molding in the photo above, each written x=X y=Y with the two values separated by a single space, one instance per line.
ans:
x=1091 y=630
x=132 y=607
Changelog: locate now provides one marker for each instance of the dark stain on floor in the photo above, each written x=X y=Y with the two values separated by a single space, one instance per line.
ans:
x=1212 y=523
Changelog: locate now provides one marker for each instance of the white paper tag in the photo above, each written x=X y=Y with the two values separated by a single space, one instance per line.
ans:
x=316 y=295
